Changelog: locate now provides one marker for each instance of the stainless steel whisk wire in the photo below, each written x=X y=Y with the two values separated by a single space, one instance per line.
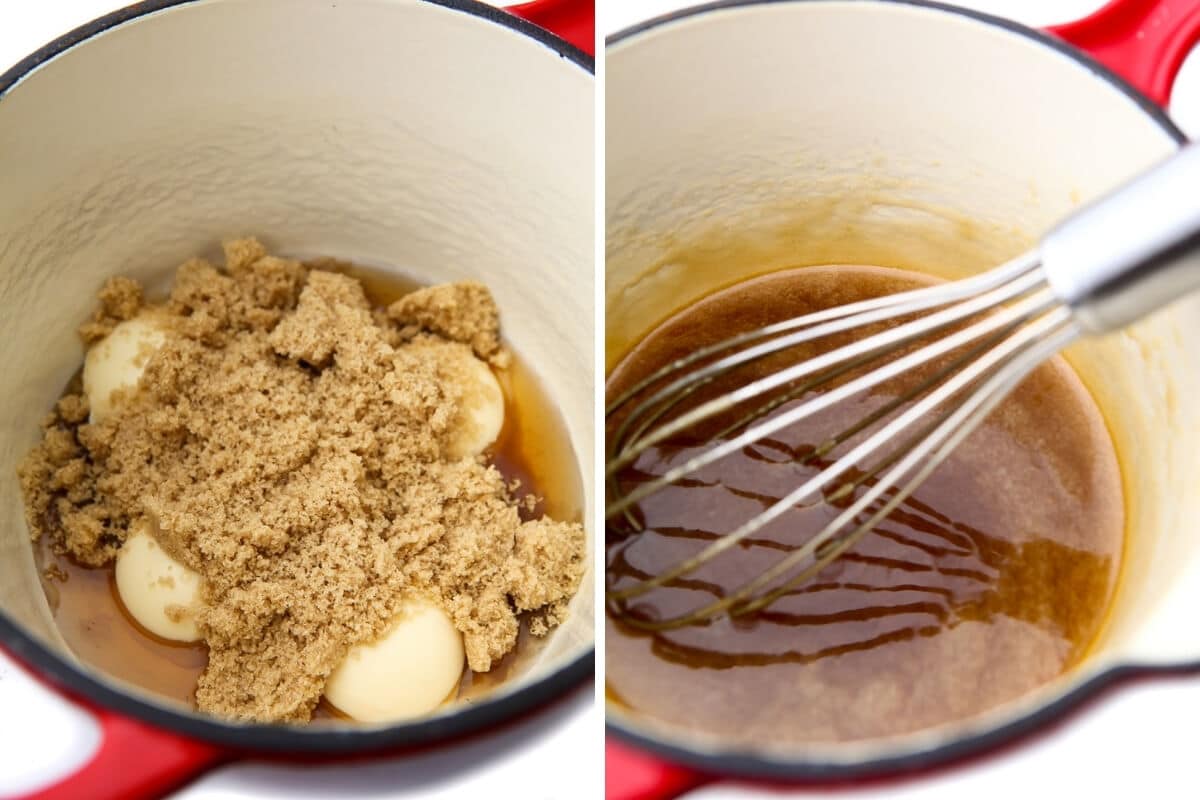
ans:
x=1010 y=319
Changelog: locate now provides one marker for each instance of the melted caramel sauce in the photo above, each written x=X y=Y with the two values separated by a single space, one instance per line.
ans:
x=533 y=448
x=991 y=579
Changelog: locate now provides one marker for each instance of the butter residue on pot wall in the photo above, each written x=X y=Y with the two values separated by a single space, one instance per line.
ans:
x=652 y=273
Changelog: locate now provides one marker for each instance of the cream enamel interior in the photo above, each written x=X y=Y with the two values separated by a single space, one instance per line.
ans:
x=748 y=139
x=399 y=134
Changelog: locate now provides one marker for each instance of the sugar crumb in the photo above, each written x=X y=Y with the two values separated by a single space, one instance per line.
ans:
x=462 y=312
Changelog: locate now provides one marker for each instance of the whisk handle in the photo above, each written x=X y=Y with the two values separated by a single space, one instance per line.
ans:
x=1133 y=251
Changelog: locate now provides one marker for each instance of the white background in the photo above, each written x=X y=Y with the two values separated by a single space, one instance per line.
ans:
x=1136 y=742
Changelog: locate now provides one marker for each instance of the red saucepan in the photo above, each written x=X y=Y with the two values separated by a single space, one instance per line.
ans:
x=447 y=138
x=762 y=110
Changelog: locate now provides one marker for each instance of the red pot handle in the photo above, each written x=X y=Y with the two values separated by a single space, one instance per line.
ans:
x=573 y=20
x=134 y=762
x=1144 y=41
x=632 y=775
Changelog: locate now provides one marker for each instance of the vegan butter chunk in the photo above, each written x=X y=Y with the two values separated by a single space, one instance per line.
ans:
x=406 y=672
x=156 y=590
x=116 y=362
x=481 y=408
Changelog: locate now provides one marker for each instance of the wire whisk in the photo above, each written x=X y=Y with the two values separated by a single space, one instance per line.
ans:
x=962 y=347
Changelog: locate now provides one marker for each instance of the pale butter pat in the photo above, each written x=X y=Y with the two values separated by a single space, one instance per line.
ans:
x=117 y=362
x=481 y=414
x=407 y=672
x=150 y=582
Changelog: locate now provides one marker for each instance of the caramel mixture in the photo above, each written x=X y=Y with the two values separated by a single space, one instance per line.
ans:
x=289 y=443
x=993 y=578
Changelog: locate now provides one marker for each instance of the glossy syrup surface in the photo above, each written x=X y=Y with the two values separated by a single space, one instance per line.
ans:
x=533 y=448
x=993 y=578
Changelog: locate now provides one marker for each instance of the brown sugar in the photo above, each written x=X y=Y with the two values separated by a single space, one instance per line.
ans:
x=120 y=299
x=292 y=445
x=462 y=312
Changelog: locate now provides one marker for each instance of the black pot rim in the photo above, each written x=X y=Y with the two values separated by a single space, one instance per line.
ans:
x=737 y=763
x=746 y=765
x=12 y=76
x=281 y=739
